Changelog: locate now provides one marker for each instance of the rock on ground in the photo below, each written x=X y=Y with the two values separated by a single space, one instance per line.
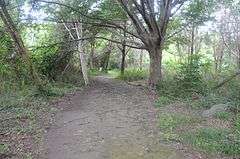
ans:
x=215 y=109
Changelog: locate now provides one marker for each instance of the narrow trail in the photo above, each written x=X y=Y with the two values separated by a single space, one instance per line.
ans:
x=108 y=120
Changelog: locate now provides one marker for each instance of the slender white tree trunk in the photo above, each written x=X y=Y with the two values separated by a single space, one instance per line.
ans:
x=83 y=60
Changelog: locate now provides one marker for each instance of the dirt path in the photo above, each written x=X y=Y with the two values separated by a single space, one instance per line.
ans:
x=108 y=120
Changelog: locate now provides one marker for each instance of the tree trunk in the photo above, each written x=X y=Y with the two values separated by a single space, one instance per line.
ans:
x=192 y=40
x=83 y=60
x=123 y=61
x=155 y=67
x=123 y=49
x=190 y=58
x=20 y=47
x=105 y=61
x=238 y=63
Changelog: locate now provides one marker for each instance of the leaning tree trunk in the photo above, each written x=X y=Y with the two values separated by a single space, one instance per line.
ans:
x=123 y=49
x=19 y=44
x=82 y=57
x=83 y=62
x=123 y=57
x=155 y=67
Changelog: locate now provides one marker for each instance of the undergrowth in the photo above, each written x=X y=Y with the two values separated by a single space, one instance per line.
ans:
x=214 y=140
x=25 y=112
x=169 y=123
x=133 y=75
x=190 y=85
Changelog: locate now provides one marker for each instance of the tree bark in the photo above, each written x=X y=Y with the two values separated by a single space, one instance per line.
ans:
x=123 y=60
x=190 y=58
x=238 y=58
x=123 y=49
x=151 y=28
x=155 y=73
x=83 y=62
x=82 y=57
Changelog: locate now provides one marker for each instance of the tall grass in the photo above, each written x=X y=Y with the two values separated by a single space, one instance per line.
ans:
x=133 y=75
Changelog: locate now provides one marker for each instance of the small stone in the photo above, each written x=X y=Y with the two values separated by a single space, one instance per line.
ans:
x=215 y=109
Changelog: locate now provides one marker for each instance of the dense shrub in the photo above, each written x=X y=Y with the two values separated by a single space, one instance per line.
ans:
x=189 y=78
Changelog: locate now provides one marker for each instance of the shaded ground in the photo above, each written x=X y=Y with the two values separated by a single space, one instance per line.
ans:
x=108 y=120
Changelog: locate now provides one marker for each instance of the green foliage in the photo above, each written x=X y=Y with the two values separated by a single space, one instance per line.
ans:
x=186 y=80
x=111 y=10
x=207 y=101
x=232 y=93
x=96 y=72
x=133 y=75
x=163 y=101
x=44 y=59
x=114 y=73
x=172 y=121
x=189 y=78
x=199 y=11
x=3 y=148
x=223 y=115
x=7 y=58
x=237 y=124
x=214 y=140
x=169 y=123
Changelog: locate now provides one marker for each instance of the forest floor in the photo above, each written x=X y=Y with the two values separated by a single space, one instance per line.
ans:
x=110 y=120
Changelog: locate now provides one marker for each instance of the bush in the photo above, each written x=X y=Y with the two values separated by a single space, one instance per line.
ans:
x=232 y=93
x=189 y=77
x=186 y=81
x=133 y=75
